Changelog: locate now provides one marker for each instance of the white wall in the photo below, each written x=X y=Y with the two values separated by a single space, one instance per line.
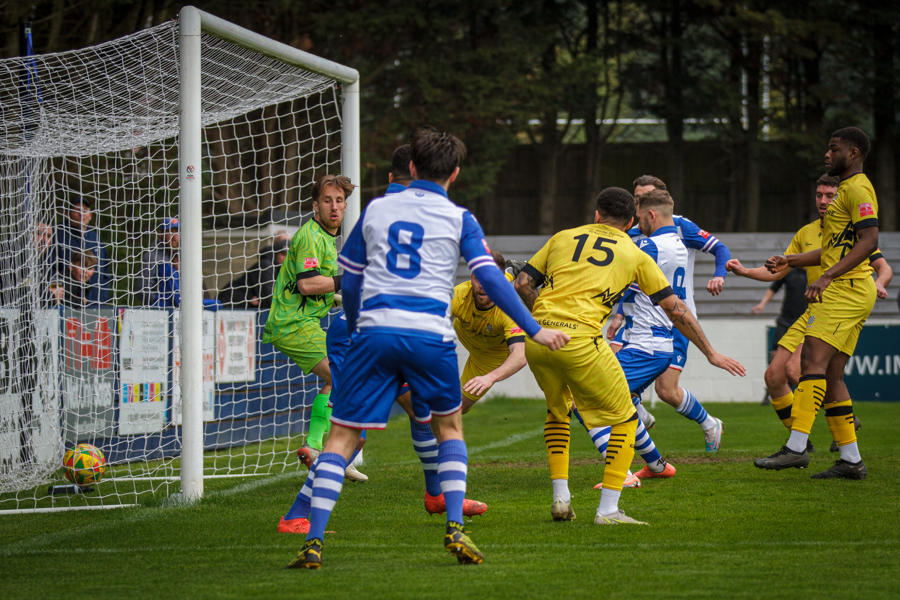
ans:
x=741 y=339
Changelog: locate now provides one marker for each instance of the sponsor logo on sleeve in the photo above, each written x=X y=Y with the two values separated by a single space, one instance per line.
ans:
x=866 y=209
x=486 y=247
x=704 y=234
x=310 y=263
x=516 y=331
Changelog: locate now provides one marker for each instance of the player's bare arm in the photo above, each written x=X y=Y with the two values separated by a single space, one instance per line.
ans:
x=512 y=365
x=867 y=243
x=527 y=288
x=687 y=324
x=614 y=325
x=317 y=284
x=756 y=310
x=552 y=338
x=883 y=276
x=756 y=273
x=812 y=258
x=715 y=285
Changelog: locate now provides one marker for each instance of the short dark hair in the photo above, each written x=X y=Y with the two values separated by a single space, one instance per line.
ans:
x=658 y=200
x=86 y=259
x=828 y=181
x=498 y=258
x=400 y=164
x=436 y=154
x=650 y=180
x=339 y=181
x=76 y=200
x=856 y=137
x=616 y=204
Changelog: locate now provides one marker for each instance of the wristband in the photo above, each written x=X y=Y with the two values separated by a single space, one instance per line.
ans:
x=337 y=282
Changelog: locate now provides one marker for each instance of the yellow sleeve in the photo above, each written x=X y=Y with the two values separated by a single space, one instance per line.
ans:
x=649 y=276
x=511 y=330
x=862 y=206
x=538 y=262
x=459 y=298
x=796 y=245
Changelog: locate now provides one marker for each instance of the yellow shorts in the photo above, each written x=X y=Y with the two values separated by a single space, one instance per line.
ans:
x=477 y=366
x=305 y=346
x=839 y=318
x=585 y=371
x=793 y=337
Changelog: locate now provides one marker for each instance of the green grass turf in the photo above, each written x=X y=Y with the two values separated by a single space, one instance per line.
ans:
x=719 y=529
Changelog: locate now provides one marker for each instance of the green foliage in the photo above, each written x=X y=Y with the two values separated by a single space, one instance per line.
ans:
x=719 y=529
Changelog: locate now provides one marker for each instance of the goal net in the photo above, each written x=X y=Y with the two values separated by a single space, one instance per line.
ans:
x=90 y=261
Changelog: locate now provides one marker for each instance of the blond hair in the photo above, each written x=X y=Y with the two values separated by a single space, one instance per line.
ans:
x=338 y=181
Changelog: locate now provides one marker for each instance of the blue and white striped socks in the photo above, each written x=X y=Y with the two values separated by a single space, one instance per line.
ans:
x=329 y=480
x=300 y=508
x=644 y=446
x=599 y=435
x=427 y=449
x=453 y=465
x=691 y=408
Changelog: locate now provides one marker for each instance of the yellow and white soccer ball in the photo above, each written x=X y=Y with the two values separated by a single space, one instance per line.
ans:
x=84 y=464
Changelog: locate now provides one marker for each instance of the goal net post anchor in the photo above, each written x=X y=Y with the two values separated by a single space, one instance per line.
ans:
x=192 y=23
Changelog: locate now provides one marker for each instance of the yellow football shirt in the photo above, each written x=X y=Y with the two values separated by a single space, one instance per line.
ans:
x=585 y=271
x=853 y=208
x=809 y=238
x=486 y=334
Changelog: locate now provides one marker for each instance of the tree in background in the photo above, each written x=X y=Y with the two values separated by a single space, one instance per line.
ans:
x=502 y=73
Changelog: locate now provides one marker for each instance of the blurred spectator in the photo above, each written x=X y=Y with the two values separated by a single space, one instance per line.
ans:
x=76 y=235
x=82 y=267
x=42 y=237
x=55 y=293
x=28 y=263
x=159 y=284
x=255 y=287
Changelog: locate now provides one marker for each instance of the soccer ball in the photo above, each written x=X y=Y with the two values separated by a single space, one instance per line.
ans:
x=84 y=464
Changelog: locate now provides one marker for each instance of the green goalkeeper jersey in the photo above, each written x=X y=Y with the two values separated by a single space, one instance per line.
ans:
x=313 y=252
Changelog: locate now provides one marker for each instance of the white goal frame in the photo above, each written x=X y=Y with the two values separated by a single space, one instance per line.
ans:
x=191 y=24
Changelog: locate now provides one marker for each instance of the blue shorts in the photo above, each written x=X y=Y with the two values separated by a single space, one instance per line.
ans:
x=337 y=343
x=377 y=365
x=680 y=348
x=641 y=369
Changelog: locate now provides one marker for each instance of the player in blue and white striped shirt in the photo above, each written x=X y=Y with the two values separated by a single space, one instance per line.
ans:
x=667 y=388
x=403 y=254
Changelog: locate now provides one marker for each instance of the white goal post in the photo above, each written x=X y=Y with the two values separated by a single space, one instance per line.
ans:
x=140 y=180
x=192 y=23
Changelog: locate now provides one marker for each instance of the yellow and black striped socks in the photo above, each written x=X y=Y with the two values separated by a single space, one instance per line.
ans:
x=556 y=438
x=619 y=454
x=808 y=399
x=783 y=408
x=840 y=421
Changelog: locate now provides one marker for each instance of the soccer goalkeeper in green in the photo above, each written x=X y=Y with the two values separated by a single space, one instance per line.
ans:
x=304 y=293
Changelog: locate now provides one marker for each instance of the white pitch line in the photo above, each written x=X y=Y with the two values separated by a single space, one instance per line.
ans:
x=509 y=441
x=131 y=516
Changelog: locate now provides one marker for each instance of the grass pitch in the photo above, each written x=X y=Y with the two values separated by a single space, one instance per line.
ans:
x=719 y=529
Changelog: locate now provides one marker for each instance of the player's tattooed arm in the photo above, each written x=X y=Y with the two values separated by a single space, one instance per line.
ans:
x=687 y=324
x=527 y=288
